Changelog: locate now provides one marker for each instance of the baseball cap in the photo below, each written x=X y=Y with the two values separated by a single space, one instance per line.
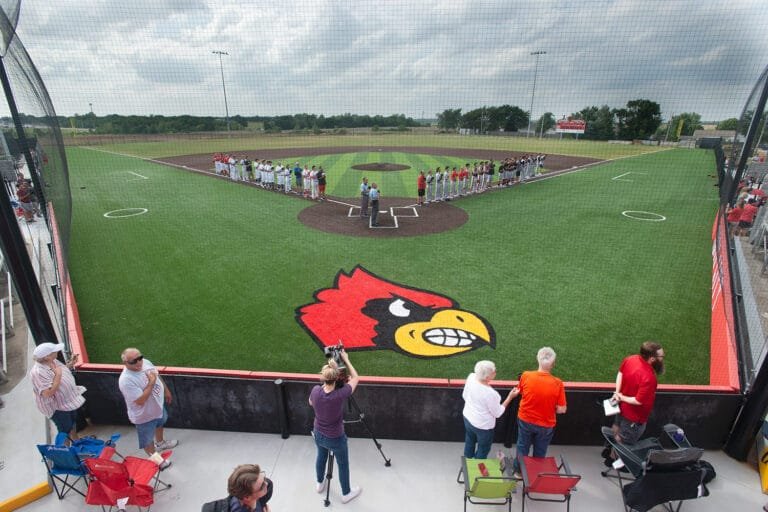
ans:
x=46 y=349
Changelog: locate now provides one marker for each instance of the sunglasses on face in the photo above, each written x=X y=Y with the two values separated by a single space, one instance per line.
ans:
x=135 y=360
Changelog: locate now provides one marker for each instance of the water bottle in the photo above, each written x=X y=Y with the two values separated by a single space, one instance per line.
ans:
x=678 y=435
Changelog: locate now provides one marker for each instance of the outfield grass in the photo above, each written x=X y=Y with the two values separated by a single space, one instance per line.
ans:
x=212 y=274
x=592 y=149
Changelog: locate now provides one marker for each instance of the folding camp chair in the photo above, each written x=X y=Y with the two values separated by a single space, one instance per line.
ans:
x=659 y=476
x=65 y=468
x=133 y=481
x=87 y=447
x=545 y=480
x=494 y=489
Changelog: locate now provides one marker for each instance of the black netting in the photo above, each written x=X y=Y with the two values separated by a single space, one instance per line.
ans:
x=750 y=134
x=33 y=143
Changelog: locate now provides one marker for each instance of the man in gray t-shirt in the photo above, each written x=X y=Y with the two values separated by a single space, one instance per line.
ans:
x=145 y=398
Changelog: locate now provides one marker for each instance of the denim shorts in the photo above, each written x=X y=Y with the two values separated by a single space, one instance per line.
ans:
x=146 y=431
x=65 y=421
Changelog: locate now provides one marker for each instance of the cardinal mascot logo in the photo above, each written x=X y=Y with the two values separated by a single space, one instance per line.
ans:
x=366 y=312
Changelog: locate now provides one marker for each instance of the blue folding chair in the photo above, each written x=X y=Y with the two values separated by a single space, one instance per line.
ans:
x=87 y=446
x=64 y=460
x=64 y=467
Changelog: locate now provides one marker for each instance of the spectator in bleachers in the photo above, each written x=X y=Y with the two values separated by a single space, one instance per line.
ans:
x=747 y=217
x=57 y=395
x=543 y=398
x=248 y=490
x=482 y=406
x=733 y=215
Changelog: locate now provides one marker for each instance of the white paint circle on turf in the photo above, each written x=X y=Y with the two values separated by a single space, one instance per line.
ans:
x=125 y=212
x=641 y=215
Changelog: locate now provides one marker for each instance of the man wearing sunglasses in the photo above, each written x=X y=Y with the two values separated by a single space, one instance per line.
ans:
x=145 y=397
x=249 y=491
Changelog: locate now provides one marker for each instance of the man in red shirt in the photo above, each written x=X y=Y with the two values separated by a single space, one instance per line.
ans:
x=543 y=397
x=747 y=217
x=636 y=391
x=421 y=187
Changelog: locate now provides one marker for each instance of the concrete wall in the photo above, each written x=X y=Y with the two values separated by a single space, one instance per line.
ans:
x=418 y=412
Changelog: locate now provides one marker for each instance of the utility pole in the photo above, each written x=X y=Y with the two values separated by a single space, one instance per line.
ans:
x=223 y=86
x=533 y=91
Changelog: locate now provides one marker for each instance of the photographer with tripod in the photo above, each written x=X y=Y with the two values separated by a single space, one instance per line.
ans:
x=339 y=380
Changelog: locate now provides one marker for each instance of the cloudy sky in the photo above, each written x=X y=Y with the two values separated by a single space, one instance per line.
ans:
x=395 y=56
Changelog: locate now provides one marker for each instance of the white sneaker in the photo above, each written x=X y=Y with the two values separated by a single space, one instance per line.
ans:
x=166 y=444
x=353 y=493
x=320 y=488
x=165 y=465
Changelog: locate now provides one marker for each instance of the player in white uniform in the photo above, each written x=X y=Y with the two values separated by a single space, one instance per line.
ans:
x=287 y=179
x=430 y=186
x=306 y=182
x=280 y=176
x=314 y=189
x=233 y=174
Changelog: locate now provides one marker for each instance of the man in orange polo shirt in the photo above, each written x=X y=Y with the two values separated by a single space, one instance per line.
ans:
x=543 y=397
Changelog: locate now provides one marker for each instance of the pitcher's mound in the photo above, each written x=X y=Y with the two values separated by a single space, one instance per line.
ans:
x=380 y=166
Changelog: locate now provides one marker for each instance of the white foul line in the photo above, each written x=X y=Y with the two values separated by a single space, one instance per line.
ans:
x=139 y=176
x=620 y=175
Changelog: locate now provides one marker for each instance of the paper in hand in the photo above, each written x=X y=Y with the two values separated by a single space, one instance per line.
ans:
x=610 y=407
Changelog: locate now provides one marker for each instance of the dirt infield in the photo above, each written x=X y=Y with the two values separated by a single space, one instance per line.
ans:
x=553 y=162
x=398 y=217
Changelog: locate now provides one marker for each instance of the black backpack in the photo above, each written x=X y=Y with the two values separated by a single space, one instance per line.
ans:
x=221 y=505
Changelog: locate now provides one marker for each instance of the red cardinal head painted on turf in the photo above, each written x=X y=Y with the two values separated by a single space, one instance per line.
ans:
x=366 y=312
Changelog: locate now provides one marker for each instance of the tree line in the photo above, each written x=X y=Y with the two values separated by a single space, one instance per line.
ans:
x=117 y=124
x=638 y=119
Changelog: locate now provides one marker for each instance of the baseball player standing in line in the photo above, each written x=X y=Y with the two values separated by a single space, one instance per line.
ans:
x=430 y=187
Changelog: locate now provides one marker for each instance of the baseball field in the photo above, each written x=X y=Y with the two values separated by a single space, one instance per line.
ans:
x=611 y=249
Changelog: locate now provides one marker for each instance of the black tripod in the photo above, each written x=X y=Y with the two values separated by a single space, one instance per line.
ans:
x=360 y=419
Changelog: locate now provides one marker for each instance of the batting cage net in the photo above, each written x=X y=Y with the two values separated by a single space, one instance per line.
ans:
x=552 y=168
x=32 y=151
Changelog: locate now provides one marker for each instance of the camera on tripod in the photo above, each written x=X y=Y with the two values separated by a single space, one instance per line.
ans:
x=333 y=353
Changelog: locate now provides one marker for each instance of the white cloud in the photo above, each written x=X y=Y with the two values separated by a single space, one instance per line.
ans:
x=394 y=56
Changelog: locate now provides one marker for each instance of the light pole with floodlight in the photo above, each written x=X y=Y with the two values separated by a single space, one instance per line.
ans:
x=223 y=86
x=533 y=91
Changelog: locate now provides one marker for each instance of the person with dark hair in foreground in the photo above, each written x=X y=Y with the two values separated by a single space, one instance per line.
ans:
x=249 y=491
x=636 y=391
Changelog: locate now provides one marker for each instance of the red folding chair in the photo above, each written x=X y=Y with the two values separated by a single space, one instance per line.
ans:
x=132 y=481
x=544 y=480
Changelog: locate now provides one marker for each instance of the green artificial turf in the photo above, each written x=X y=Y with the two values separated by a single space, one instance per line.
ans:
x=182 y=146
x=212 y=274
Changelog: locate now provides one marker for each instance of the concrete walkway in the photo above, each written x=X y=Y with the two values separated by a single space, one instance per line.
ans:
x=422 y=476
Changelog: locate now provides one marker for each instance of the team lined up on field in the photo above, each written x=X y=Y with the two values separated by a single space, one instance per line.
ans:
x=441 y=185
x=455 y=182
x=310 y=181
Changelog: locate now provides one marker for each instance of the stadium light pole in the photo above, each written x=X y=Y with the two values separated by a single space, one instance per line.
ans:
x=533 y=91
x=223 y=86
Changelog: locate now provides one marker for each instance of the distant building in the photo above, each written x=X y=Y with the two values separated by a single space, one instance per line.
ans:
x=724 y=135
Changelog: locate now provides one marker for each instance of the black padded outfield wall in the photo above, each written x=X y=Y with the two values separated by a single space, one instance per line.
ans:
x=395 y=412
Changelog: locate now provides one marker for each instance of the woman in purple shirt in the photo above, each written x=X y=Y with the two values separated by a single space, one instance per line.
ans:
x=328 y=402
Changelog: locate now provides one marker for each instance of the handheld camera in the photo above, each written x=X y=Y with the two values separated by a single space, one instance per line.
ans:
x=333 y=353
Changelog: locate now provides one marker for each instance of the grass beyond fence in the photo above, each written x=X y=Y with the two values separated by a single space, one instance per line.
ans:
x=211 y=275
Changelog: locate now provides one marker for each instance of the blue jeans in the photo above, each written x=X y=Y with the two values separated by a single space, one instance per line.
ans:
x=477 y=442
x=338 y=445
x=529 y=435
x=65 y=421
